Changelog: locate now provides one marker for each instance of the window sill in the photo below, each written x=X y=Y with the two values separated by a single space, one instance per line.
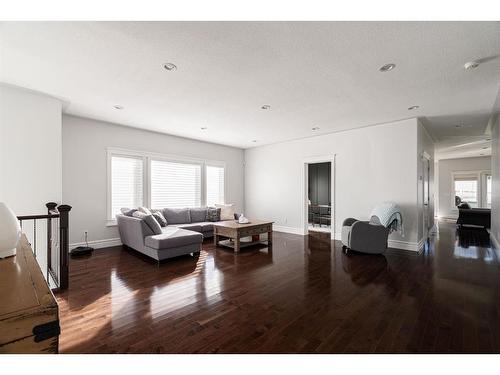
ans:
x=111 y=223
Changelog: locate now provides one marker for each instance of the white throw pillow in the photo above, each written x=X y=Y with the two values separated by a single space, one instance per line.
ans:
x=145 y=210
x=226 y=211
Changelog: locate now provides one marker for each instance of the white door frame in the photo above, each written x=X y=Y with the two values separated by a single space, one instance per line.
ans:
x=305 y=183
x=426 y=163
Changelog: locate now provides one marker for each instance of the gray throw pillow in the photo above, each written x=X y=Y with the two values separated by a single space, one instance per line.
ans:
x=159 y=217
x=177 y=215
x=213 y=214
x=150 y=221
x=198 y=214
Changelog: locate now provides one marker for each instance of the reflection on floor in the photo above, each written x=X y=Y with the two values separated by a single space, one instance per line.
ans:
x=303 y=296
x=318 y=228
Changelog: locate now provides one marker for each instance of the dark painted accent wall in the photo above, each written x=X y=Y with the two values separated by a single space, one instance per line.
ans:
x=320 y=183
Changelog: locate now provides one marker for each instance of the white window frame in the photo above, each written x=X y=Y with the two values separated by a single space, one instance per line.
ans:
x=146 y=188
x=219 y=164
x=480 y=175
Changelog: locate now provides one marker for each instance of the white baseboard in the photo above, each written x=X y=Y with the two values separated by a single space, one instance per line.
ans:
x=496 y=243
x=291 y=230
x=404 y=245
x=99 y=244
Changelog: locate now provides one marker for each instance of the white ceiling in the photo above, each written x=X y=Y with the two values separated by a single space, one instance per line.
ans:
x=321 y=74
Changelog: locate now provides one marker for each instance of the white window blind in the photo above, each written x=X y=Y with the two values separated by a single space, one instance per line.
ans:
x=215 y=185
x=175 y=185
x=126 y=183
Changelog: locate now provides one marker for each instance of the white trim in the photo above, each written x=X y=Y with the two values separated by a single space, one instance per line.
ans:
x=395 y=244
x=291 y=230
x=496 y=243
x=99 y=244
x=404 y=245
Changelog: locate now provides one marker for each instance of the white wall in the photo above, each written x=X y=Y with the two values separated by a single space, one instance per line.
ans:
x=425 y=144
x=373 y=164
x=495 y=172
x=84 y=168
x=30 y=150
x=446 y=168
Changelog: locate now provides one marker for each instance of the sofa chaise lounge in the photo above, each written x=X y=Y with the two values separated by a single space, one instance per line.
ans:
x=184 y=233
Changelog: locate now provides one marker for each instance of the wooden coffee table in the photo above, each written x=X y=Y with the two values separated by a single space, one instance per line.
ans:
x=234 y=231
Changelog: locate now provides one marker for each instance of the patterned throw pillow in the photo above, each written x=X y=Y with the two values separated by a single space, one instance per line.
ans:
x=213 y=214
x=158 y=215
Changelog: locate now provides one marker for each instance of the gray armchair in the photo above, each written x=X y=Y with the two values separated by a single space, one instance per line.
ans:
x=364 y=236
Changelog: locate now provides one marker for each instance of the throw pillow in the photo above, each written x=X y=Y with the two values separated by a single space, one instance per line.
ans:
x=159 y=217
x=128 y=211
x=145 y=210
x=150 y=221
x=226 y=211
x=213 y=214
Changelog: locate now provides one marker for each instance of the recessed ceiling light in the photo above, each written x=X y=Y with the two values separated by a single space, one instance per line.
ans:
x=315 y=128
x=265 y=106
x=387 y=67
x=170 y=67
x=471 y=65
x=118 y=107
x=203 y=128
x=413 y=107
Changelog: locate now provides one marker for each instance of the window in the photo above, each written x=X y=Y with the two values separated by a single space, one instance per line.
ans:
x=215 y=185
x=466 y=188
x=153 y=180
x=126 y=183
x=175 y=185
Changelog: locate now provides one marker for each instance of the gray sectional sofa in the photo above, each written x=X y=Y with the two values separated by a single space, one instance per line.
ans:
x=184 y=233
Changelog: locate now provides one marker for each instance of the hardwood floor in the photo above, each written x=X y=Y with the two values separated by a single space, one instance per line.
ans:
x=304 y=296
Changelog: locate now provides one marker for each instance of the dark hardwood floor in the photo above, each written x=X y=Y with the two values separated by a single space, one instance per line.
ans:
x=304 y=296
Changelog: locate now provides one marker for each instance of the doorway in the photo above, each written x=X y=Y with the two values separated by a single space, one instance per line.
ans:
x=319 y=197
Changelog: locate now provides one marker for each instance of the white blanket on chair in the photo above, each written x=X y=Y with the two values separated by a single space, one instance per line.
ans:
x=389 y=215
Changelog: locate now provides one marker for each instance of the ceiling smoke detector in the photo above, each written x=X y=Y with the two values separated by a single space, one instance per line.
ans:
x=387 y=67
x=471 y=65
x=118 y=106
x=170 y=67
x=265 y=107
x=254 y=141
x=203 y=128
x=315 y=128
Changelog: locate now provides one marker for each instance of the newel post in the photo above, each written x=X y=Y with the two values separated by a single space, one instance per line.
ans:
x=64 y=245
